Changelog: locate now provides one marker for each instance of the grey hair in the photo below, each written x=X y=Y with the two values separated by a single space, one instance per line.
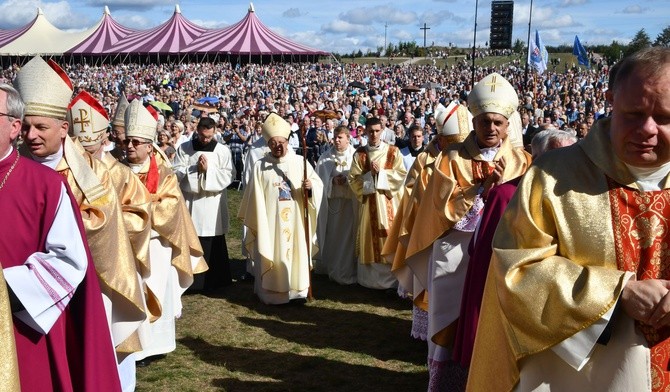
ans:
x=548 y=139
x=538 y=144
x=15 y=105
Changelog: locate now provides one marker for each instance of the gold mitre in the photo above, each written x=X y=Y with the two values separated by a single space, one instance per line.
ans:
x=45 y=88
x=274 y=125
x=493 y=94
x=454 y=121
x=140 y=121
x=119 y=115
x=88 y=119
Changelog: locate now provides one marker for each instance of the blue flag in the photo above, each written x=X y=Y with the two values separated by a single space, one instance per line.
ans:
x=579 y=51
x=538 y=57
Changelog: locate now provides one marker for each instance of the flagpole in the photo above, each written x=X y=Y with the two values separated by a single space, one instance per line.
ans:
x=530 y=18
x=474 y=44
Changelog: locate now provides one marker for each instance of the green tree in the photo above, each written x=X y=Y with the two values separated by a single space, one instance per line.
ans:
x=390 y=49
x=663 y=38
x=519 y=46
x=640 y=41
x=612 y=52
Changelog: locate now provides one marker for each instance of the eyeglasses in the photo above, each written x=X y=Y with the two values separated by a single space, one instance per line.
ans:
x=134 y=142
x=7 y=115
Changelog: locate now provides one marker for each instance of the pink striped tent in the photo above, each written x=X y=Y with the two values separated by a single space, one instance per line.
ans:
x=7 y=36
x=170 y=37
x=248 y=37
x=108 y=34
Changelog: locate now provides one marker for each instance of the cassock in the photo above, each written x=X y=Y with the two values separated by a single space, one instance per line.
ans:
x=449 y=212
x=379 y=197
x=273 y=211
x=479 y=251
x=62 y=337
x=206 y=199
x=94 y=192
x=337 y=217
x=578 y=227
x=176 y=253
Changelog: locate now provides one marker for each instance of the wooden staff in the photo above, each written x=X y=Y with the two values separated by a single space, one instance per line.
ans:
x=305 y=206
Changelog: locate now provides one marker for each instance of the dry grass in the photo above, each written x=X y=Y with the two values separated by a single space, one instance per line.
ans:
x=350 y=338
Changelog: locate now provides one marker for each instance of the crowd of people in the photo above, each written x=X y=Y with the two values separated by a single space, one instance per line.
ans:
x=396 y=182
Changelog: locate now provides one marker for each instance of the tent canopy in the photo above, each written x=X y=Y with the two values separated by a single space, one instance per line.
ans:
x=248 y=36
x=176 y=36
x=108 y=34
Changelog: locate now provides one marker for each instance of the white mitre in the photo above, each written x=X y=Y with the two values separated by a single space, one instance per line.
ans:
x=45 y=88
x=493 y=94
x=140 y=121
x=454 y=121
x=274 y=126
x=88 y=119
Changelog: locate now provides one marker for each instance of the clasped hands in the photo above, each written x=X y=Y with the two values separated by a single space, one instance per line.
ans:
x=647 y=301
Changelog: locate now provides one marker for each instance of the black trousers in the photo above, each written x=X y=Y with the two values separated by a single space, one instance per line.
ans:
x=216 y=256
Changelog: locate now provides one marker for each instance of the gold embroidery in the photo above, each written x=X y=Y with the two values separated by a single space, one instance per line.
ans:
x=642 y=246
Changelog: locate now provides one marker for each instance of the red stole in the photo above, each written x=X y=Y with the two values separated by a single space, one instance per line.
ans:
x=378 y=232
x=77 y=353
x=642 y=240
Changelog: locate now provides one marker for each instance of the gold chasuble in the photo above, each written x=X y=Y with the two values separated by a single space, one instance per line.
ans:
x=395 y=248
x=135 y=202
x=112 y=254
x=379 y=202
x=136 y=208
x=458 y=173
x=577 y=221
x=9 y=365
x=171 y=220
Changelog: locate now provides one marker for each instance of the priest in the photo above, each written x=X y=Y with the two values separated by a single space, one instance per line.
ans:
x=280 y=238
x=577 y=291
x=450 y=209
x=45 y=135
x=376 y=177
x=339 y=210
x=204 y=168
x=60 y=329
x=176 y=253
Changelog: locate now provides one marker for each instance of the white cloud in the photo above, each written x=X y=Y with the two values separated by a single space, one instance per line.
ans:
x=130 y=4
x=210 y=24
x=344 y=27
x=17 y=13
x=573 y=2
x=381 y=14
x=634 y=9
x=404 y=35
x=292 y=13
x=439 y=17
x=543 y=17
x=135 y=21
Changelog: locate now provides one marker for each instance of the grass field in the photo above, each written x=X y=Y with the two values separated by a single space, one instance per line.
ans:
x=348 y=339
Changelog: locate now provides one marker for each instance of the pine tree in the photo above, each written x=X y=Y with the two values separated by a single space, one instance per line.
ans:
x=663 y=38
x=640 y=41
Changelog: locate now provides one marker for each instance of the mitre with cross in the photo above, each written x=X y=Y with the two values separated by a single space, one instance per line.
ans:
x=44 y=87
x=274 y=126
x=88 y=119
x=493 y=94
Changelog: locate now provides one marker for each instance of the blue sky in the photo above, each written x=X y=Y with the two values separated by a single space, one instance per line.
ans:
x=346 y=25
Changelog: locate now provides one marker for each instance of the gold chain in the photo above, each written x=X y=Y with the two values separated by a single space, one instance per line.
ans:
x=16 y=160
